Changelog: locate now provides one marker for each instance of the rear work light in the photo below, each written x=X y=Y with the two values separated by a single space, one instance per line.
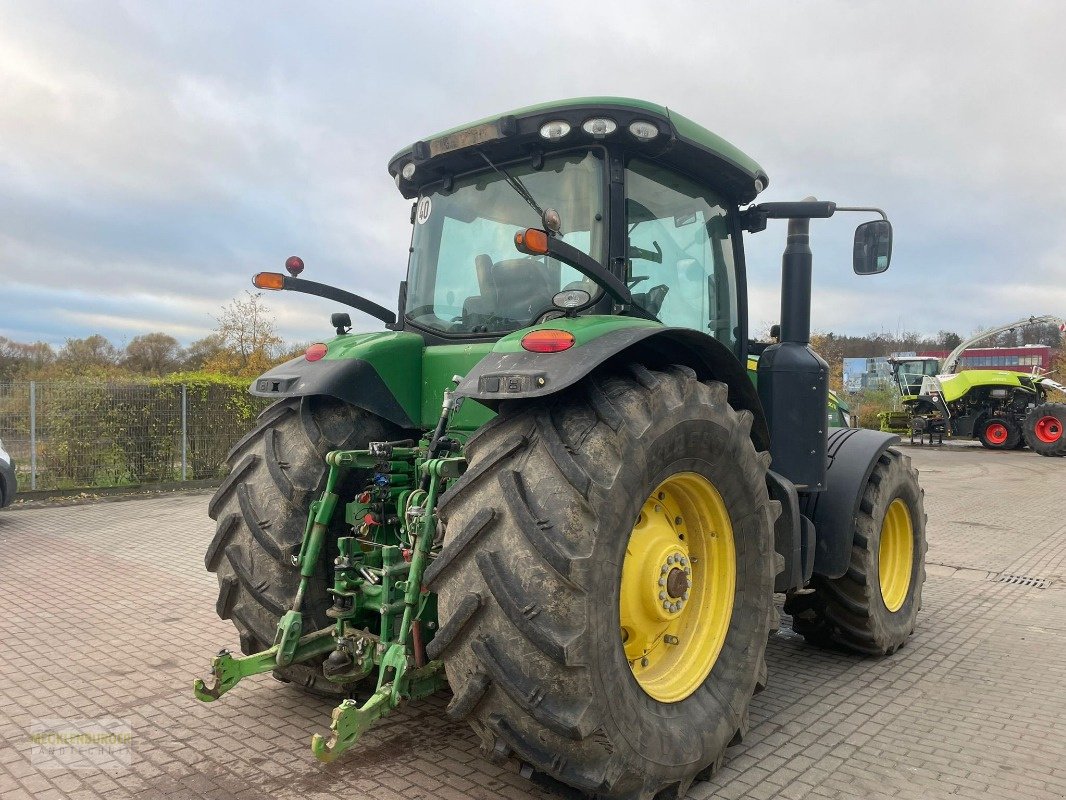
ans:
x=274 y=281
x=315 y=352
x=555 y=130
x=547 y=341
x=532 y=240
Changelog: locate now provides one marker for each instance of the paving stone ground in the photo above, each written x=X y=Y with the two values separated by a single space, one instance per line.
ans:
x=106 y=611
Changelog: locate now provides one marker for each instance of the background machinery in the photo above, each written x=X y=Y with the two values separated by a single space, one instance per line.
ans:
x=550 y=482
x=1003 y=409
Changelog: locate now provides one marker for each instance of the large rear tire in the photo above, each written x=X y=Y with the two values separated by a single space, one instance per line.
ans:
x=276 y=471
x=546 y=567
x=1045 y=429
x=873 y=607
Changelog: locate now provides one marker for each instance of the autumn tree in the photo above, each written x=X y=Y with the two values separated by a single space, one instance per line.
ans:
x=153 y=354
x=200 y=352
x=830 y=347
x=247 y=335
x=92 y=351
x=19 y=359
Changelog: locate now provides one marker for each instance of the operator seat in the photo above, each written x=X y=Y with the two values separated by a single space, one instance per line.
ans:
x=514 y=289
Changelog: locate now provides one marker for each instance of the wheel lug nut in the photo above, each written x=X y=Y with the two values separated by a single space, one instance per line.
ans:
x=662 y=581
x=684 y=596
x=688 y=570
x=662 y=595
x=681 y=560
x=666 y=605
x=665 y=569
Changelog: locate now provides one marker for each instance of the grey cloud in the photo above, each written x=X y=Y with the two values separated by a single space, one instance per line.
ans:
x=172 y=150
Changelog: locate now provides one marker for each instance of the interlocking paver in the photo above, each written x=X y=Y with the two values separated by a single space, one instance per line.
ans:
x=106 y=611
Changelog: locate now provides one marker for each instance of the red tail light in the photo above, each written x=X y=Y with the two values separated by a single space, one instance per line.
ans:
x=547 y=341
x=315 y=352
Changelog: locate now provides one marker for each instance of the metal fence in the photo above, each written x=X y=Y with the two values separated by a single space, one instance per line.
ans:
x=64 y=434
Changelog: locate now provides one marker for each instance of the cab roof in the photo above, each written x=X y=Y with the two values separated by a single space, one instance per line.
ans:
x=681 y=143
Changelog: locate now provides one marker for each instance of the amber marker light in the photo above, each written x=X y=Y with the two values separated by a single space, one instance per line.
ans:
x=547 y=341
x=532 y=240
x=269 y=280
x=315 y=352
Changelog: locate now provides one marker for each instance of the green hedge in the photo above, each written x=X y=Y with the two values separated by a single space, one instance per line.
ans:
x=113 y=433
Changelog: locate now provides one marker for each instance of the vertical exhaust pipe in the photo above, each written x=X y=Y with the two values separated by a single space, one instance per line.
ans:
x=793 y=379
x=796 y=267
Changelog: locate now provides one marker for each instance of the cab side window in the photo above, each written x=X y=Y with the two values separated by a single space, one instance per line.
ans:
x=680 y=256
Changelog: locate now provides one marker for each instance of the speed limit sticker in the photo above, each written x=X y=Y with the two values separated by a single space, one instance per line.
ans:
x=425 y=206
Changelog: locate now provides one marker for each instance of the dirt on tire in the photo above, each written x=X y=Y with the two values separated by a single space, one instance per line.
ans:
x=528 y=581
x=260 y=510
x=849 y=612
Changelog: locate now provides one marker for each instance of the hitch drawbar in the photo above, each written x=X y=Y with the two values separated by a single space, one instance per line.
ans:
x=377 y=584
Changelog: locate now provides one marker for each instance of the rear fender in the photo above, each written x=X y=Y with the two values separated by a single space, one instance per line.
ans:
x=378 y=372
x=511 y=373
x=851 y=456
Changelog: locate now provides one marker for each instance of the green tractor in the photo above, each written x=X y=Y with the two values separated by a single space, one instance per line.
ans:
x=550 y=483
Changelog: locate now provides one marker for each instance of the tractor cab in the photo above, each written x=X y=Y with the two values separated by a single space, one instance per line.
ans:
x=626 y=184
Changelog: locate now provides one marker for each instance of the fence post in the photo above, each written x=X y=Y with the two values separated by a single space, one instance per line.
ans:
x=33 y=434
x=184 y=431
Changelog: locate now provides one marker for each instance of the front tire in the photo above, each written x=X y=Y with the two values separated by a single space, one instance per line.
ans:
x=535 y=586
x=276 y=471
x=873 y=607
x=999 y=433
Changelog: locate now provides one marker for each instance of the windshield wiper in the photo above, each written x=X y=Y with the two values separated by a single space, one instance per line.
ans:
x=516 y=184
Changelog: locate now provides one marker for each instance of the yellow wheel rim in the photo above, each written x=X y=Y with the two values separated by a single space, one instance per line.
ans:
x=678 y=581
x=895 y=555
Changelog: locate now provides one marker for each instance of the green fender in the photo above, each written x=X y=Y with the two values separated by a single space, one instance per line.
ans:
x=379 y=372
x=509 y=372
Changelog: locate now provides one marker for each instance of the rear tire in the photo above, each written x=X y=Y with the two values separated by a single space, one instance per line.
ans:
x=873 y=607
x=1000 y=433
x=1045 y=429
x=276 y=471
x=530 y=578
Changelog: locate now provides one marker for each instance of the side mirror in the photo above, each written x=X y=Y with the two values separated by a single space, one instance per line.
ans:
x=873 y=247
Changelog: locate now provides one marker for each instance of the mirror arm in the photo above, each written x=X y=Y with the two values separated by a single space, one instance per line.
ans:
x=592 y=269
x=341 y=296
x=587 y=266
x=870 y=209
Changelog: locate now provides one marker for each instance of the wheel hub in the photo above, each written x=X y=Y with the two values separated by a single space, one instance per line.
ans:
x=997 y=433
x=677 y=583
x=1048 y=429
x=895 y=555
x=677 y=586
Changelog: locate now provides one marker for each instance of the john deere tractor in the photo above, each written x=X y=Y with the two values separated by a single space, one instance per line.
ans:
x=550 y=483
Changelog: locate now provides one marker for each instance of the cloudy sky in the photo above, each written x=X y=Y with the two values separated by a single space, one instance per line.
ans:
x=154 y=155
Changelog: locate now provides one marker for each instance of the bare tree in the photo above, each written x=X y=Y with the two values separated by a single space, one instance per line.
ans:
x=19 y=358
x=92 y=351
x=248 y=337
x=153 y=354
x=200 y=352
